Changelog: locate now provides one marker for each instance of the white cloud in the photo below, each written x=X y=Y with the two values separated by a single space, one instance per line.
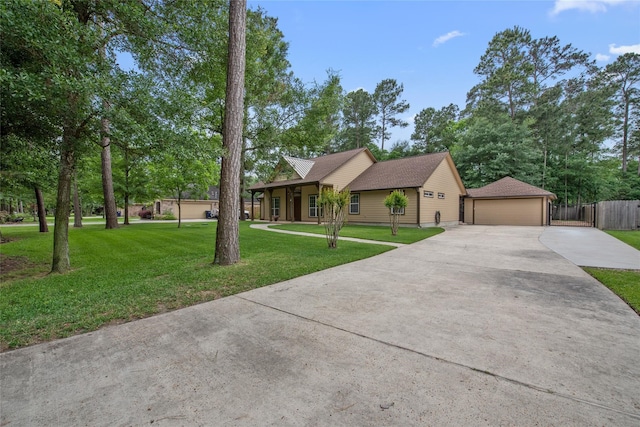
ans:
x=621 y=50
x=593 y=6
x=446 y=37
x=602 y=58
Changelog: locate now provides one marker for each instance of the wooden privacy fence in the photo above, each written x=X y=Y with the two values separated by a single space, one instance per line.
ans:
x=618 y=215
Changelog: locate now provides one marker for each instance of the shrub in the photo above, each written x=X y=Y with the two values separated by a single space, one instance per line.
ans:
x=333 y=204
x=6 y=217
x=168 y=215
x=145 y=214
x=396 y=202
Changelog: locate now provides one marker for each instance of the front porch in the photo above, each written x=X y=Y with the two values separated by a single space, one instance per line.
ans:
x=288 y=203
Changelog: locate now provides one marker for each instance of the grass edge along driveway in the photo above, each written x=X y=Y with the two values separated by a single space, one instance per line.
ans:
x=141 y=270
x=624 y=283
x=406 y=235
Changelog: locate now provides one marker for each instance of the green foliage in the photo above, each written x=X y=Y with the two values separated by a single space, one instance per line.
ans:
x=388 y=106
x=334 y=206
x=490 y=150
x=399 y=150
x=435 y=130
x=138 y=271
x=396 y=202
x=167 y=216
x=320 y=123
x=623 y=78
x=359 y=124
x=7 y=217
x=186 y=167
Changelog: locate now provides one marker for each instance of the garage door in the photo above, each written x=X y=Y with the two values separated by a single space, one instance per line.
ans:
x=508 y=212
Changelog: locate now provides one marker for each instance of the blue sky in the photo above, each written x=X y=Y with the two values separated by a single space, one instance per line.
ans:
x=432 y=47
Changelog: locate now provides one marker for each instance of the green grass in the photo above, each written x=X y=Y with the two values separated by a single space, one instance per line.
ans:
x=137 y=271
x=624 y=283
x=405 y=234
x=631 y=238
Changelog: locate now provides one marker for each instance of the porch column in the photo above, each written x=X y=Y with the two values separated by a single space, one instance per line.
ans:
x=292 y=215
x=268 y=204
x=418 y=205
x=318 y=208
x=252 y=194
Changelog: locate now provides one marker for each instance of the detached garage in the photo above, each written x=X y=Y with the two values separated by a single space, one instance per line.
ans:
x=507 y=202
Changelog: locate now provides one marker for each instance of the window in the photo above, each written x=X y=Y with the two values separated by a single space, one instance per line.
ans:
x=399 y=211
x=428 y=194
x=440 y=195
x=354 y=204
x=314 y=209
x=275 y=206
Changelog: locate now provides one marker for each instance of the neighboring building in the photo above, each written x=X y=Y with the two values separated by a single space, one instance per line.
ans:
x=508 y=202
x=431 y=182
x=190 y=208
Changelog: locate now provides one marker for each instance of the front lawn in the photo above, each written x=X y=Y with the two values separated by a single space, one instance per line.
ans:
x=624 y=283
x=140 y=270
x=370 y=232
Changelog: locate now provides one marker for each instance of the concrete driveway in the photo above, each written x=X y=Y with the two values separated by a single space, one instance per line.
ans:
x=590 y=247
x=476 y=326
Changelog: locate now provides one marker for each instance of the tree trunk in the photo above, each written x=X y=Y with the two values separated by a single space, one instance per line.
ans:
x=126 y=208
x=395 y=219
x=127 y=170
x=42 y=213
x=544 y=166
x=625 y=135
x=110 y=210
x=61 y=263
x=227 y=250
x=242 y=183
x=77 y=208
x=384 y=130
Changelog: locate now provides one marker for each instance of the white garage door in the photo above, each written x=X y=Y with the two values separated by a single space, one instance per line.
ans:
x=508 y=212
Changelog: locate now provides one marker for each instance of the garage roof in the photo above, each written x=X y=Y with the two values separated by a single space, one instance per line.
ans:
x=508 y=187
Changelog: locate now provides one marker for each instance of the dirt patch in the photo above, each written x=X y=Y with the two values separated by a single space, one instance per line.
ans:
x=19 y=267
x=9 y=264
x=5 y=239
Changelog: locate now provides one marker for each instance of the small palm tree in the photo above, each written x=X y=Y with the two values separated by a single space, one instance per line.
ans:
x=396 y=202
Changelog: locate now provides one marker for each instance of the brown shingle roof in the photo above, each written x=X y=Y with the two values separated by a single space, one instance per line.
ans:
x=508 y=187
x=399 y=173
x=322 y=167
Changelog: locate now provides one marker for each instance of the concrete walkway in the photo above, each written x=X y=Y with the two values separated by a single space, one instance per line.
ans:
x=267 y=226
x=590 y=247
x=475 y=326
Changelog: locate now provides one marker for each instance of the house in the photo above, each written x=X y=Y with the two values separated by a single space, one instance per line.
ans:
x=431 y=182
x=191 y=208
x=508 y=202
